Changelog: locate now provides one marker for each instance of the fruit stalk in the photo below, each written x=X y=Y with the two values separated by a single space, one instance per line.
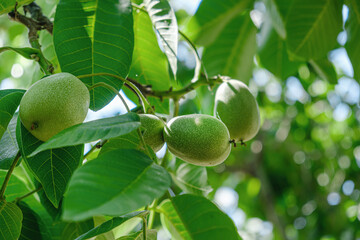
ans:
x=8 y=175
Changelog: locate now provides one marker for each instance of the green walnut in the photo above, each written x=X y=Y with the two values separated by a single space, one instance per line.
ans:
x=54 y=103
x=237 y=108
x=198 y=139
x=153 y=129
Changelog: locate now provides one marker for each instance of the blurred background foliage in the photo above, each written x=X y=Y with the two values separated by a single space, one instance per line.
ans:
x=298 y=179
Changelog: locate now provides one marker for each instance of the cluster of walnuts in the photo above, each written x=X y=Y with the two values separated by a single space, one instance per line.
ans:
x=61 y=100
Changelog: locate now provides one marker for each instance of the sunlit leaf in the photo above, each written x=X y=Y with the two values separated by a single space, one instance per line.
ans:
x=312 y=27
x=194 y=217
x=164 y=20
x=232 y=53
x=110 y=184
x=212 y=16
x=104 y=128
x=108 y=225
x=149 y=64
x=94 y=37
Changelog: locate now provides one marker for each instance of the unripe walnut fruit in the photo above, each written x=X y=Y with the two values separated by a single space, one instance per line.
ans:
x=153 y=129
x=198 y=139
x=237 y=108
x=54 y=103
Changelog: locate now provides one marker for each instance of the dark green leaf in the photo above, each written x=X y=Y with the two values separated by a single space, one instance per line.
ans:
x=325 y=69
x=10 y=220
x=164 y=20
x=232 y=53
x=110 y=184
x=32 y=225
x=75 y=229
x=212 y=16
x=273 y=54
x=192 y=179
x=9 y=147
x=109 y=225
x=151 y=234
x=91 y=131
x=352 y=27
x=53 y=168
x=194 y=217
x=9 y=102
x=94 y=37
x=149 y=64
x=312 y=27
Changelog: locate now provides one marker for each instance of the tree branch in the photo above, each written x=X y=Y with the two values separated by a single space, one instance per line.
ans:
x=34 y=25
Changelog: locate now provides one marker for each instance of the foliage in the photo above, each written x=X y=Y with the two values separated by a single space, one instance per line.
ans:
x=297 y=179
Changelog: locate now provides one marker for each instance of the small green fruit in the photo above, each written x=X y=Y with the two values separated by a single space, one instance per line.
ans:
x=238 y=109
x=198 y=139
x=54 y=103
x=153 y=131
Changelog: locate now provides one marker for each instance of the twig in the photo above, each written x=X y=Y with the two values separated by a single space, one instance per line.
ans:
x=34 y=26
x=27 y=195
x=177 y=94
x=8 y=175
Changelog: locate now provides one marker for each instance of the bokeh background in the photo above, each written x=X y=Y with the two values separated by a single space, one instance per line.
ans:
x=299 y=178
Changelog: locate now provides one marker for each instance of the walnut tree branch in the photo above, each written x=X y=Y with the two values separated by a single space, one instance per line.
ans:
x=39 y=22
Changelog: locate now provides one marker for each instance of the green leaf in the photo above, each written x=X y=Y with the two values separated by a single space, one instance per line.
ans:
x=9 y=147
x=192 y=179
x=9 y=102
x=75 y=229
x=151 y=234
x=25 y=52
x=128 y=141
x=352 y=27
x=10 y=220
x=115 y=183
x=94 y=37
x=91 y=131
x=325 y=69
x=194 y=217
x=232 y=53
x=312 y=27
x=9 y=5
x=212 y=16
x=273 y=54
x=52 y=168
x=15 y=188
x=164 y=20
x=32 y=225
x=109 y=225
x=277 y=11
x=149 y=64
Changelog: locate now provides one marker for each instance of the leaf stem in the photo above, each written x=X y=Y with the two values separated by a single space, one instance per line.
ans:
x=145 y=103
x=8 y=175
x=152 y=209
x=144 y=227
x=202 y=81
x=28 y=194
x=102 y=84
